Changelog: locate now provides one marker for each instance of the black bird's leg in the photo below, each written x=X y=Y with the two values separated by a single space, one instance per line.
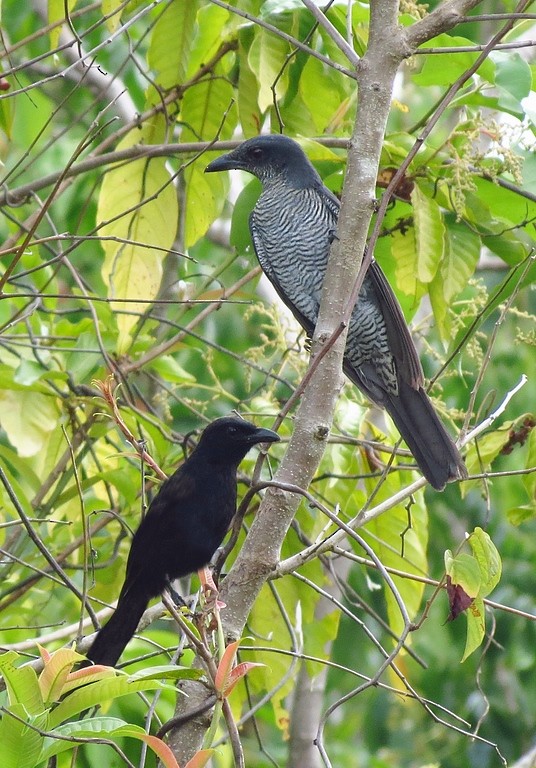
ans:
x=178 y=599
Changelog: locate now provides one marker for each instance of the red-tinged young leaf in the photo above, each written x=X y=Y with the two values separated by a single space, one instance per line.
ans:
x=161 y=749
x=459 y=600
x=238 y=673
x=56 y=672
x=45 y=655
x=200 y=759
x=87 y=675
x=224 y=667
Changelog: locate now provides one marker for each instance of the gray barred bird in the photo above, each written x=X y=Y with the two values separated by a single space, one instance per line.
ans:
x=292 y=227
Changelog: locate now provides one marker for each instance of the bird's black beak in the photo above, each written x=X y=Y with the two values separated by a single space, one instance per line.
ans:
x=223 y=163
x=264 y=436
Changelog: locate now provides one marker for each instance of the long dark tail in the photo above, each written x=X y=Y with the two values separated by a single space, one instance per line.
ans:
x=114 y=636
x=425 y=436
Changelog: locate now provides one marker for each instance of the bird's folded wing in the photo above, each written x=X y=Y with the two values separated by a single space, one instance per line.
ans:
x=400 y=341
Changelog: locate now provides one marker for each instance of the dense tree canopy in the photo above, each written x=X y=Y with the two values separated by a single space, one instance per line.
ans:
x=133 y=312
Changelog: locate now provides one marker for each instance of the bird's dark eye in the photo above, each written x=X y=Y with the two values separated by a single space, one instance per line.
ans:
x=257 y=152
x=232 y=430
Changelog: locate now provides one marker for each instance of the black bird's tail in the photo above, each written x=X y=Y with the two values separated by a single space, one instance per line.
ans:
x=425 y=435
x=114 y=636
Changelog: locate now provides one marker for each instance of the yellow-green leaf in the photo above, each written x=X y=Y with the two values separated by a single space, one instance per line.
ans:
x=138 y=207
x=404 y=250
x=429 y=234
x=266 y=58
x=464 y=571
x=205 y=196
x=56 y=13
x=476 y=627
x=171 y=42
x=29 y=418
x=462 y=250
x=488 y=559
x=112 y=9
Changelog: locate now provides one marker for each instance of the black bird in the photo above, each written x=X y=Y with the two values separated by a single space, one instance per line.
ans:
x=185 y=524
x=292 y=227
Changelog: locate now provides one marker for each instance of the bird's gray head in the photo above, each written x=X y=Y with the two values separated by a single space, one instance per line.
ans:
x=270 y=157
x=227 y=440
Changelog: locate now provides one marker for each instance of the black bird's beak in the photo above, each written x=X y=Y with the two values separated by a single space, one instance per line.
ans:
x=264 y=436
x=223 y=163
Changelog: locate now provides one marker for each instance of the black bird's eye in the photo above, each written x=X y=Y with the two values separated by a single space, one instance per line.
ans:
x=257 y=152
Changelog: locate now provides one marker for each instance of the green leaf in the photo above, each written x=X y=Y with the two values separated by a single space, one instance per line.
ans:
x=202 y=111
x=266 y=58
x=462 y=251
x=170 y=370
x=112 y=728
x=86 y=729
x=476 y=627
x=429 y=234
x=521 y=514
x=171 y=42
x=513 y=76
x=166 y=672
x=95 y=693
x=24 y=478
x=248 y=105
x=211 y=31
x=488 y=559
x=21 y=744
x=490 y=444
x=29 y=372
x=444 y=69
x=240 y=237
x=138 y=205
x=529 y=480
x=21 y=683
x=56 y=12
x=319 y=93
x=204 y=200
x=400 y=547
x=112 y=9
x=440 y=308
x=464 y=571
x=29 y=418
x=404 y=250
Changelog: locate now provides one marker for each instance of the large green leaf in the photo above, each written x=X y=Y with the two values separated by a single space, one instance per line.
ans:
x=404 y=250
x=319 y=93
x=429 y=234
x=171 y=42
x=445 y=68
x=21 y=683
x=462 y=251
x=398 y=546
x=138 y=209
x=205 y=197
x=248 y=105
x=266 y=58
x=29 y=418
x=210 y=33
x=21 y=744
x=102 y=690
x=514 y=79
x=56 y=12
